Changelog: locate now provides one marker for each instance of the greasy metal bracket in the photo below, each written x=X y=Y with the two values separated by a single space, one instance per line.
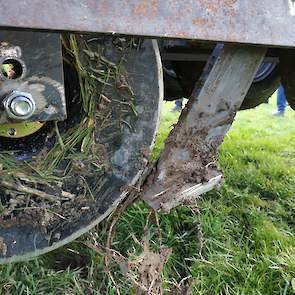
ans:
x=268 y=22
x=187 y=166
x=40 y=56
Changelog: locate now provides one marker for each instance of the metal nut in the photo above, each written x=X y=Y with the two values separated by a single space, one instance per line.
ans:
x=19 y=105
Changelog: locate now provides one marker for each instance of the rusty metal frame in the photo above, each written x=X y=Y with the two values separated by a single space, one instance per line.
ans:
x=264 y=22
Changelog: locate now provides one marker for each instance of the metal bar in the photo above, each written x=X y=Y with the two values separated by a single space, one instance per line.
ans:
x=187 y=165
x=268 y=22
x=201 y=57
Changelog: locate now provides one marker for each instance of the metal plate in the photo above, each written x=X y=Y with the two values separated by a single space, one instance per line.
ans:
x=41 y=57
x=19 y=130
x=269 y=22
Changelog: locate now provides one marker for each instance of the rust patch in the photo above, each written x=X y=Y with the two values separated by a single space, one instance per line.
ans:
x=146 y=8
x=216 y=9
x=200 y=21
x=141 y=9
x=209 y=6
x=230 y=2
x=135 y=17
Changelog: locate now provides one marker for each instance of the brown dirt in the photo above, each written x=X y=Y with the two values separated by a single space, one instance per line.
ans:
x=150 y=271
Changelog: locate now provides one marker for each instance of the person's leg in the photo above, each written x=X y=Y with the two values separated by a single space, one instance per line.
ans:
x=281 y=100
x=178 y=105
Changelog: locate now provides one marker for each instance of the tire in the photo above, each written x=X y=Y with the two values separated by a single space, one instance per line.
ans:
x=260 y=92
x=176 y=88
x=172 y=88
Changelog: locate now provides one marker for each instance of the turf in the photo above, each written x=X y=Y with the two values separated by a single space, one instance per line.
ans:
x=239 y=239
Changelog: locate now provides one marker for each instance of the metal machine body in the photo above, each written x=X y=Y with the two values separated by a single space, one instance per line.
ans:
x=264 y=22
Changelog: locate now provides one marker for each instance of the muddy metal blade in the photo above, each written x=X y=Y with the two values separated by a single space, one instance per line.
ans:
x=187 y=166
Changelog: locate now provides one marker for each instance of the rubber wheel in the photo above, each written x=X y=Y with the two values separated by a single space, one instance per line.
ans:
x=63 y=180
x=260 y=92
x=189 y=73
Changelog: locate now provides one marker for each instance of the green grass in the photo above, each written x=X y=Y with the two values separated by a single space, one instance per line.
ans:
x=247 y=243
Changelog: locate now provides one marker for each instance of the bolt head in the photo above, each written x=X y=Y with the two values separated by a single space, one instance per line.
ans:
x=19 y=105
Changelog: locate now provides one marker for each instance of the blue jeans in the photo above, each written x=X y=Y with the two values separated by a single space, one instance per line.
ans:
x=178 y=102
x=281 y=100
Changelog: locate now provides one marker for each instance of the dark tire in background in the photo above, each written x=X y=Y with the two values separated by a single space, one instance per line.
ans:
x=260 y=91
x=182 y=83
x=180 y=76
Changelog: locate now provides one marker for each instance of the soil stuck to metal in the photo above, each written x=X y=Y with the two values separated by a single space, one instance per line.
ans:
x=52 y=177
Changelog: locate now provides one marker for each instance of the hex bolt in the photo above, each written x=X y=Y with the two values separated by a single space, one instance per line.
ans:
x=19 y=105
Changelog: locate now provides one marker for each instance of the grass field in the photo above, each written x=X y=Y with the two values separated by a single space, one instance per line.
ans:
x=239 y=239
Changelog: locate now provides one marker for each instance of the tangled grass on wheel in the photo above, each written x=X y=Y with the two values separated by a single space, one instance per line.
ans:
x=49 y=187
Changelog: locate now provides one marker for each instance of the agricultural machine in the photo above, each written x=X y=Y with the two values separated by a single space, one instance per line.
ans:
x=81 y=87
